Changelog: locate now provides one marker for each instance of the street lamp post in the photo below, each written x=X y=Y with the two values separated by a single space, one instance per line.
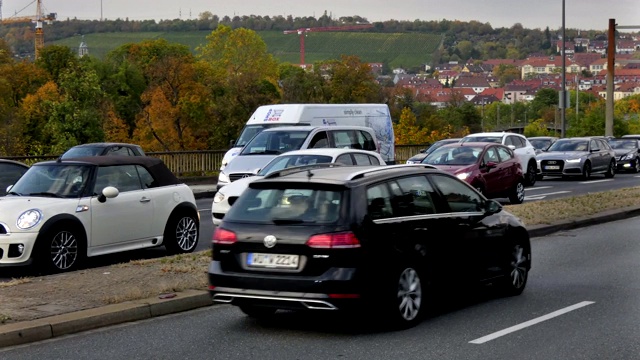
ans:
x=563 y=94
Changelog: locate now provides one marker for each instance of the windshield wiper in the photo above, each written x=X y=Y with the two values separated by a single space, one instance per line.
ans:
x=14 y=193
x=44 y=193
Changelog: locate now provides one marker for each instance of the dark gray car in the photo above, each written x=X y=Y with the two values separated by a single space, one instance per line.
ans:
x=579 y=156
x=627 y=153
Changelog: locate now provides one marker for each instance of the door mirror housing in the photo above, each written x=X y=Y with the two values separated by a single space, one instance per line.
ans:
x=491 y=164
x=108 y=192
x=492 y=207
x=232 y=142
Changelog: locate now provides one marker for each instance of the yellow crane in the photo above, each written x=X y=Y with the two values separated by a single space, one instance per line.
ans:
x=39 y=19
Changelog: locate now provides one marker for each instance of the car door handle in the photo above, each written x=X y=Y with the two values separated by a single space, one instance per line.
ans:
x=145 y=200
x=422 y=229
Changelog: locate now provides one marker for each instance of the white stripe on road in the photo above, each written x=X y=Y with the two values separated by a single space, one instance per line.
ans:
x=539 y=188
x=542 y=196
x=595 y=181
x=526 y=324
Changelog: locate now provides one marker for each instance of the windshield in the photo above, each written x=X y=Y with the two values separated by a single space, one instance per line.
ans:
x=623 y=144
x=570 y=145
x=286 y=206
x=287 y=161
x=541 y=144
x=456 y=156
x=82 y=151
x=250 y=131
x=491 y=139
x=275 y=142
x=55 y=180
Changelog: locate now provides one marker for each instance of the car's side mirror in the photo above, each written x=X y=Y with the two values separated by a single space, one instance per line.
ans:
x=512 y=147
x=491 y=164
x=256 y=171
x=108 y=193
x=492 y=207
x=232 y=143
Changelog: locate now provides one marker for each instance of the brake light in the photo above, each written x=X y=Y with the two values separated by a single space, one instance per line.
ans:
x=344 y=296
x=345 y=240
x=224 y=237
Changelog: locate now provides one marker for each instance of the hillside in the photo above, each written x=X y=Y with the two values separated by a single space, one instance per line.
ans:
x=396 y=49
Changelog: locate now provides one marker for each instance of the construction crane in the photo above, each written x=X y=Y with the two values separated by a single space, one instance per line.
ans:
x=39 y=19
x=302 y=32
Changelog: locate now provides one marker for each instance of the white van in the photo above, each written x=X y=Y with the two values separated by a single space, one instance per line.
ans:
x=375 y=116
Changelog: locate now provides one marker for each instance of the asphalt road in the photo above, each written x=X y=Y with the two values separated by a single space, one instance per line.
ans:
x=555 y=187
x=581 y=303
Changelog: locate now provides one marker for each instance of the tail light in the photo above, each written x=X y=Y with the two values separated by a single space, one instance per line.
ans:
x=224 y=237
x=345 y=240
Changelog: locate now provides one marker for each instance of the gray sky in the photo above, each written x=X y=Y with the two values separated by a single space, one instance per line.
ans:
x=583 y=14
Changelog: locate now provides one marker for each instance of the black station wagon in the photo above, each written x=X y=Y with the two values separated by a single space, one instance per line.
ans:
x=346 y=238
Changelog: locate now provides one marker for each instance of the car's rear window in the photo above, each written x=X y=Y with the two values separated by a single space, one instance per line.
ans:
x=287 y=206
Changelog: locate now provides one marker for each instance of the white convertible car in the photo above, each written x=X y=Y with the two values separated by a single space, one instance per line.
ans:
x=227 y=195
x=61 y=212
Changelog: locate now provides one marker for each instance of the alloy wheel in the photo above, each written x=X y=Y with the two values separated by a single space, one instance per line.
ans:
x=186 y=233
x=409 y=294
x=64 y=250
x=520 y=192
x=518 y=267
x=637 y=167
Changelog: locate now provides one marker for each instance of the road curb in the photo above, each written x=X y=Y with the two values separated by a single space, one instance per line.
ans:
x=607 y=216
x=64 y=324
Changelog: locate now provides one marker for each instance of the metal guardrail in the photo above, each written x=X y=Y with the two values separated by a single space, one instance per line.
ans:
x=205 y=162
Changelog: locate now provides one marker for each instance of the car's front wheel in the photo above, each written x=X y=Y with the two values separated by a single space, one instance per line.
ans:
x=516 y=196
x=61 y=249
x=611 y=171
x=636 y=167
x=586 y=171
x=181 y=234
x=518 y=269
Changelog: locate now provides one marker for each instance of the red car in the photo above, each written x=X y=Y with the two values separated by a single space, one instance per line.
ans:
x=490 y=168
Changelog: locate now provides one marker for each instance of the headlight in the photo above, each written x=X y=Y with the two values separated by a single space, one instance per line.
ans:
x=29 y=219
x=629 y=156
x=222 y=177
x=463 y=176
x=573 y=160
x=218 y=197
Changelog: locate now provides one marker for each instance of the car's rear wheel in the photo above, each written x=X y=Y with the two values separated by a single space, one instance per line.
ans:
x=611 y=171
x=516 y=196
x=517 y=270
x=406 y=303
x=586 y=170
x=530 y=176
x=61 y=249
x=257 y=312
x=181 y=234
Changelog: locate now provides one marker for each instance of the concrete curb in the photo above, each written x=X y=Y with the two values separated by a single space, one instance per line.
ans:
x=603 y=217
x=64 y=324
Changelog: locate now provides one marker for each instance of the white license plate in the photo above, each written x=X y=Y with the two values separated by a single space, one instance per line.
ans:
x=275 y=261
x=552 y=167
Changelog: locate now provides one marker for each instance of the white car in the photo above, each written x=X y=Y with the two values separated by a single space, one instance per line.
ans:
x=226 y=196
x=61 y=212
x=524 y=151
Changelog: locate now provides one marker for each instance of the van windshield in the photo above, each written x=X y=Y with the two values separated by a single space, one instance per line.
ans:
x=250 y=131
x=275 y=142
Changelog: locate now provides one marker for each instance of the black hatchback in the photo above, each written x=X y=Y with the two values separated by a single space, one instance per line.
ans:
x=346 y=238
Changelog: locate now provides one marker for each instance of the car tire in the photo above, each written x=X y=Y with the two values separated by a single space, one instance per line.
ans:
x=181 y=234
x=257 y=312
x=61 y=249
x=406 y=304
x=517 y=271
x=636 y=168
x=530 y=176
x=586 y=171
x=611 y=170
x=516 y=196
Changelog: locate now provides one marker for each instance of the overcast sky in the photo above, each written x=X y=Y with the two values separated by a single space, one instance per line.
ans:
x=582 y=14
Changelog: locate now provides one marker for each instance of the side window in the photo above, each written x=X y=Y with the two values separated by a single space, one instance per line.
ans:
x=341 y=138
x=416 y=198
x=344 y=159
x=505 y=154
x=362 y=159
x=520 y=142
x=128 y=179
x=319 y=140
x=378 y=202
x=509 y=141
x=147 y=180
x=491 y=155
x=459 y=196
x=603 y=145
x=594 y=146
x=368 y=143
x=374 y=160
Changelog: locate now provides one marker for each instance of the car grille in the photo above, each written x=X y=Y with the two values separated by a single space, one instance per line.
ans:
x=232 y=199
x=545 y=163
x=238 y=176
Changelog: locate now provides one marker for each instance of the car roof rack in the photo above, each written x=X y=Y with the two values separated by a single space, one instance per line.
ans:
x=296 y=169
x=360 y=174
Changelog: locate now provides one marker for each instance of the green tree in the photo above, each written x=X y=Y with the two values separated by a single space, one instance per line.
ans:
x=351 y=81
x=301 y=86
x=55 y=59
x=545 y=98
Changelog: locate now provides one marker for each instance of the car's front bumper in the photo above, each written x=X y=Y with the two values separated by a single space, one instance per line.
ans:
x=8 y=245
x=626 y=165
x=564 y=168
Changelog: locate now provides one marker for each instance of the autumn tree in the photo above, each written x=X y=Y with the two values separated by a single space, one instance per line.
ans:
x=407 y=131
x=301 y=86
x=350 y=81
x=538 y=128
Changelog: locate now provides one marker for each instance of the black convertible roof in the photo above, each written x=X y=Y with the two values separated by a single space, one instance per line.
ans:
x=155 y=166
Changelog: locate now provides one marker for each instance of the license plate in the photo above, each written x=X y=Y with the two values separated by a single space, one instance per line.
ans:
x=274 y=261
x=552 y=167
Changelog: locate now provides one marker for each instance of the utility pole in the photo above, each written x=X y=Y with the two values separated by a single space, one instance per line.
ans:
x=577 y=97
x=611 y=55
x=563 y=93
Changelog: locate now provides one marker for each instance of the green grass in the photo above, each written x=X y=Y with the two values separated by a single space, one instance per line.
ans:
x=400 y=49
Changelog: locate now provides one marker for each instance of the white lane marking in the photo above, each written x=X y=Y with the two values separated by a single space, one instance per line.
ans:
x=595 y=181
x=532 y=322
x=539 y=188
x=542 y=196
x=204 y=210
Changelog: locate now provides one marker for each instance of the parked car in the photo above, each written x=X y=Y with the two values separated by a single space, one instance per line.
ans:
x=578 y=156
x=275 y=141
x=525 y=152
x=490 y=168
x=417 y=158
x=627 y=153
x=542 y=143
x=61 y=212
x=226 y=196
x=101 y=149
x=381 y=240
x=10 y=172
